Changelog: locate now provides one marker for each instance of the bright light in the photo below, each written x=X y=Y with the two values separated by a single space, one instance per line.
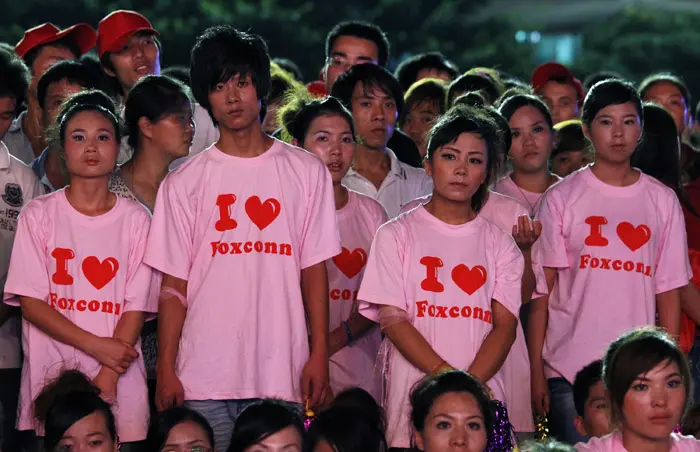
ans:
x=535 y=37
x=520 y=36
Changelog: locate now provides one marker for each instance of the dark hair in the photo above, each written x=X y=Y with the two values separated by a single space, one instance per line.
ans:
x=289 y=66
x=359 y=399
x=473 y=82
x=569 y=137
x=425 y=393
x=102 y=81
x=547 y=446
x=222 y=52
x=179 y=73
x=691 y=422
x=363 y=30
x=636 y=353
x=345 y=430
x=65 y=401
x=281 y=81
x=262 y=420
x=584 y=381
x=8 y=48
x=90 y=100
x=665 y=77
x=462 y=119
x=67 y=42
x=518 y=101
x=298 y=113
x=73 y=72
x=428 y=90
x=472 y=99
x=371 y=76
x=14 y=79
x=153 y=97
x=513 y=82
x=165 y=421
x=407 y=71
x=506 y=137
x=610 y=92
x=599 y=77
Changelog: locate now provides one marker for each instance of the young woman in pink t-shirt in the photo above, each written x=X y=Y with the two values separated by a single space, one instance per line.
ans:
x=443 y=282
x=649 y=386
x=533 y=139
x=83 y=297
x=325 y=128
x=614 y=250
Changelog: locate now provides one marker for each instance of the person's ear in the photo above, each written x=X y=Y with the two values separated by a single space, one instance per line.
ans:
x=145 y=127
x=418 y=439
x=428 y=167
x=580 y=426
x=295 y=142
x=586 y=131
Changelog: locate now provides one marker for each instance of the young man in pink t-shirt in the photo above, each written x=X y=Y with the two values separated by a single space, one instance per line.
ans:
x=241 y=232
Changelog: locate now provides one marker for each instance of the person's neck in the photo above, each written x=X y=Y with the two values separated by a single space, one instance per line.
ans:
x=247 y=143
x=450 y=212
x=32 y=124
x=636 y=443
x=90 y=196
x=54 y=170
x=149 y=166
x=341 y=195
x=535 y=182
x=370 y=158
x=617 y=175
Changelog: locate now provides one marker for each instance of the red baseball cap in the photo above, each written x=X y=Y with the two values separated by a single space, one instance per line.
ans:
x=83 y=35
x=547 y=71
x=115 y=30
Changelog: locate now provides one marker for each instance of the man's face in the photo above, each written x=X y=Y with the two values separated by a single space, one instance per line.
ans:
x=7 y=113
x=47 y=57
x=374 y=113
x=56 y=94
x=139 y=57
x=562 y=100
x=235 y=104
x=347 y=51
x=595 y=422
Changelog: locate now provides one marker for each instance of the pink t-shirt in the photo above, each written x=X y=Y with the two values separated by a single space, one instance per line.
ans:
x=446 y=278
x=528 y=199
x=358 y=221
x=62 y=257
x=615 y=248
x=240 y=230
x=613 y=443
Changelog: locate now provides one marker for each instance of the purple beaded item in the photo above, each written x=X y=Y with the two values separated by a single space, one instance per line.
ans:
x=502 y=435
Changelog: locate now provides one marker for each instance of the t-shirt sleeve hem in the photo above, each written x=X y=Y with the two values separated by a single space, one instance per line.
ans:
x=318 y=258
x=11 y=296
x=513 y=308
x=166 y=269
x=675 y=284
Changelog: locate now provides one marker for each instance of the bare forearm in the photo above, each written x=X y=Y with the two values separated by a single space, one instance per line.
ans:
x=668 y=305
x=529 y=282
x=413 y=346
x=536 y=329
x=314 y=286
x=359 y=326
x=171 y=318
x=129 y=327
x=690 y=302
x=493 y=352
x=55 y=325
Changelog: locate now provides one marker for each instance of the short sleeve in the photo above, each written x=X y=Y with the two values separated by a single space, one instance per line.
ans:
x=550 y=248
x=509 y=275
x=673 y=267
x=170 y=242
x=320 y=238
x=382 y=282
x=28 y=275
x=139 y=295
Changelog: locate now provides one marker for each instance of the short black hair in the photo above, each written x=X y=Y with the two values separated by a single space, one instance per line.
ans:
x=585 y=379
x=518 y=101
x=299 y=112
x=179 y=73
x=359 y=399
x=281 y=81
x=472 y=99
x=14 y=79
x=102 y=81
x=153 y=97
x=472 y=82
x=363 y=30
x=262 y=420
x=599 y=77
x=67 y=42
x=407 y=71
x=289 y=66
x=610 y=92
x=428 y=90
x=568 y=136
x=165 y=421
x=371 y=76
x=72 y=71
x=222 y=52
x=666 y=77
x=345 y=429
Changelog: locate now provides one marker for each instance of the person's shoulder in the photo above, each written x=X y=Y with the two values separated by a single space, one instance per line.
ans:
x=37 y=206
x=134 y=209
x=655 y=186
x=296 y=154
x=21 y=169
x=367 y=203
x=505 y=201
x=683 y=443
x=602 y=444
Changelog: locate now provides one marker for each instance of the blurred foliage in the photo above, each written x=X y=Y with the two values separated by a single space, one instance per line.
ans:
x=633 y=42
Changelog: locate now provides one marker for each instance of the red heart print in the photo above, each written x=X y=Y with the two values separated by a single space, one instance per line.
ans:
x=469 y=280
x=634 y=238
x=351 y=263
x=262 y=213
x=100 y=273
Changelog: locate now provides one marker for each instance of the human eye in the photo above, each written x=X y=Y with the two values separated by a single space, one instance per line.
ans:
x=243 y=82
x=390 y=104
x=605 y=122
x=443 y=425
x=475 y=161
x=64 y=448
x=96 y=443
x=220 y=86
x=514 y=133
x=538 y=129
x=337 y=60
x=476 y=426
x=630 y=122
x=640 y=387
x=77 y=137
x=448 y=156
x=322 y=138
x=675 y=383
x=348 y=140
x=104 y=137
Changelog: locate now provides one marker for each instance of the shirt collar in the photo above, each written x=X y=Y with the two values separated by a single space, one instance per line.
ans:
x=396 y=169
x=16 y=125
x=4 y=156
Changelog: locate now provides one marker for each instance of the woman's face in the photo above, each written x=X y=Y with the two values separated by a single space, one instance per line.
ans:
x=418 y=121
x=654 y=403
x=458 y=169
x=89 y=434
x=286 y=440
x=614 y=133
x=454 y=423
x=90 y=145
x=186 y=436
x=173 y=133
x=330 y=138
x=532 y=140
x=668 y=95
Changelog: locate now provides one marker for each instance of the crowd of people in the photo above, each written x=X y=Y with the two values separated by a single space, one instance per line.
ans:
x=229 y=257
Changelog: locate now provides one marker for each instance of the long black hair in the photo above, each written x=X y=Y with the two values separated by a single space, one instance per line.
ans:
x=262 y=420
x=164 y=422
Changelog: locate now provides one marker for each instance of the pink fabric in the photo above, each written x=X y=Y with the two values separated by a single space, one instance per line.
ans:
x=446 y=277
x=613 y=443
x=61 y=256
x=240 y=230
x=615 y=248
x=528 y=199
x=358 y=221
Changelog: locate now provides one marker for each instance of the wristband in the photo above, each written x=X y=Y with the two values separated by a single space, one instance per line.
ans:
x=348 y=332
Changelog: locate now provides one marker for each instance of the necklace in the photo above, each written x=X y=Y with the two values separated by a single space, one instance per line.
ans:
x=532 y=207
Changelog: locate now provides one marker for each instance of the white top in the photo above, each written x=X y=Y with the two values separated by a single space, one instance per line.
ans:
x=403 y=184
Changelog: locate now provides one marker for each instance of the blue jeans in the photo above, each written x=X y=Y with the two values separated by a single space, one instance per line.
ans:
x=221 y=415
x=562 y=412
